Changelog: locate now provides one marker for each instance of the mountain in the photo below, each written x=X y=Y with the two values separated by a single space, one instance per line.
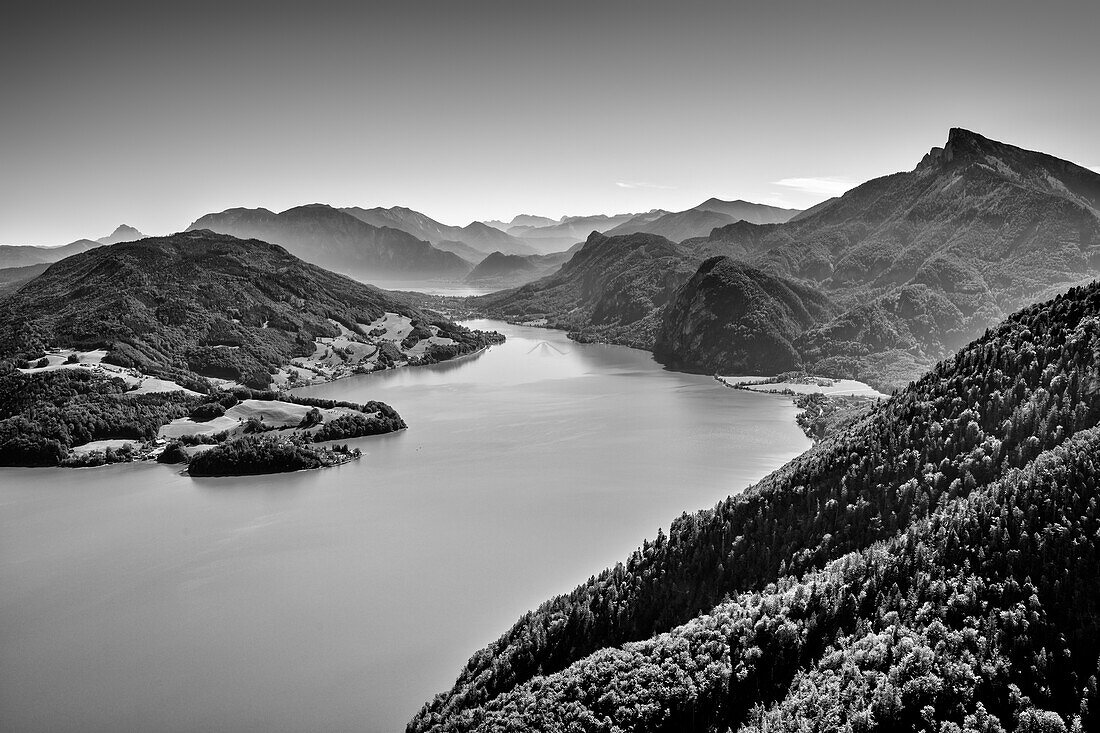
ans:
x=24 y=255
x=574 y=229
x=698 y=221
x=934 y=567
x=740 y=210
x=486 y=238
x=477 y=236
x=201 y=303
x=501 y=270
x=678 y=226
x=523 y=220
x=915 y=263
x=463 y=250
x=923 y=261
x=339 y=241
x=611 y=289
x=122 y=233
x=735 y=319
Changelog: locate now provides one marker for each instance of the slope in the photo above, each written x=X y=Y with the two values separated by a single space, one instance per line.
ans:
x=609 y=290
x=988 y=430
x=735 y=319
x=207 y=304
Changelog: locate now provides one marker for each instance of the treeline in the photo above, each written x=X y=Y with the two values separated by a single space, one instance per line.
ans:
x=44 y=414
x=1022 y=389
x=259 y=454
x=982 y=617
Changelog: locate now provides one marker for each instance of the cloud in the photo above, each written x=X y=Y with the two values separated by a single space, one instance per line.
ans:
x=825 y=185
x=642 y=184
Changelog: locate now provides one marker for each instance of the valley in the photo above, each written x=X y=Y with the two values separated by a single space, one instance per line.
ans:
x=891 y=373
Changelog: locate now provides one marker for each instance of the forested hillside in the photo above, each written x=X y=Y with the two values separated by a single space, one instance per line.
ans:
x=200 y=303
x=936 y=562
x=734 y=319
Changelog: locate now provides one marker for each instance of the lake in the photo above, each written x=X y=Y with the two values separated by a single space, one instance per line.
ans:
x=134 y=598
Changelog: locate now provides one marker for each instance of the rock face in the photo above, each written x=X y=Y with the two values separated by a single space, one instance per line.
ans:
x=339 y=241
x=734 y=319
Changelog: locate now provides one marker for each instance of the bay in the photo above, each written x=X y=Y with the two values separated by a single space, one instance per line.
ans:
x=136 y=598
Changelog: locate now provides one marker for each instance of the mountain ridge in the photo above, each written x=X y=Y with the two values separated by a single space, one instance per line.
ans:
x=200 y=303
x=339 y=241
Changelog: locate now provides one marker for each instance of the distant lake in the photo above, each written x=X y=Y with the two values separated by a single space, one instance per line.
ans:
x=456 y=289
x=133 y=598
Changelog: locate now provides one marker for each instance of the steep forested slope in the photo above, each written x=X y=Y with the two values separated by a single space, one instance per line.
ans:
x=980 y=608
x=735 y=319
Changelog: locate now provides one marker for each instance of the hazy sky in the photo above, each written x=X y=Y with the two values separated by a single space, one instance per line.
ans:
x=154 y=113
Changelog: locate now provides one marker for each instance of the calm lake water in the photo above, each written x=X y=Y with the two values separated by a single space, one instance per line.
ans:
x=134 y=599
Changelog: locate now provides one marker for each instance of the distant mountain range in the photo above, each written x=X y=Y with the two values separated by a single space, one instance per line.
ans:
x=913 y=265
x=341 y=242
x=24 y=255
x=698 y=221
x=570 y=230
x=196 y=303
x=21 y=263
x=476 y=236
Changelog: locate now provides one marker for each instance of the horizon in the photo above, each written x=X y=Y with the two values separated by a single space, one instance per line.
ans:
x=487 y=111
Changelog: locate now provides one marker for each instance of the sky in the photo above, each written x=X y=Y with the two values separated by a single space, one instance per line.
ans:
x=153 y=114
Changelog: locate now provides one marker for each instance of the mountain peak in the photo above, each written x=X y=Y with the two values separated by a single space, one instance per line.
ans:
x=963 y=144
x=122 y=233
